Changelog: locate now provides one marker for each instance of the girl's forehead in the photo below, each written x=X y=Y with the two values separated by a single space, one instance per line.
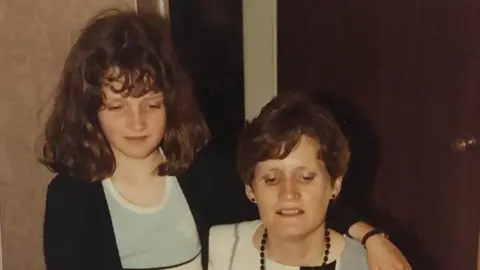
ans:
x=110 y=94
x=128 y=82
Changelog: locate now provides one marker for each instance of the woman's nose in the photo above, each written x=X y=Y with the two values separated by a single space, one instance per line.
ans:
x=289 y=190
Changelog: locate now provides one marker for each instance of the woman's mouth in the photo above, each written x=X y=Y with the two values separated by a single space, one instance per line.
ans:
x=290 y=212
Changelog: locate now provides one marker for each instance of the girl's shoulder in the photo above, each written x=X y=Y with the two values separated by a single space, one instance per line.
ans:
x=69 y=190
x=66 y=184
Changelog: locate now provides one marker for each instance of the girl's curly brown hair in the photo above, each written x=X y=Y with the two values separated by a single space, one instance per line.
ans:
x=138 y=45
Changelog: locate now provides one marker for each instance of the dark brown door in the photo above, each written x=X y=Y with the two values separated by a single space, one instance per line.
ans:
x=411 y=70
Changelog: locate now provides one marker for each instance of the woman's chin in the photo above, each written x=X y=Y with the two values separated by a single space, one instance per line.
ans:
x=289 y=232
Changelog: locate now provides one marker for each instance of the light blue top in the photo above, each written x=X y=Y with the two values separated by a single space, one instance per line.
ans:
x=160 y=236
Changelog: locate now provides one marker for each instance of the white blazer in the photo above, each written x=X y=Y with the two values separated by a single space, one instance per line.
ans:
x=231 y=248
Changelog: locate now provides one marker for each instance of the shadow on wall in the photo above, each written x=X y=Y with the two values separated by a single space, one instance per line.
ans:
x=208 y=38
x=359 y=181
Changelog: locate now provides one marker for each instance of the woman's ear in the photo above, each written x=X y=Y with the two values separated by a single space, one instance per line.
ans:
x=250 y=194
x=337 y=187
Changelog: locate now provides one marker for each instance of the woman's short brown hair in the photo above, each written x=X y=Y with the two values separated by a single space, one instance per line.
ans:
x=277 y=131
x=138 y=46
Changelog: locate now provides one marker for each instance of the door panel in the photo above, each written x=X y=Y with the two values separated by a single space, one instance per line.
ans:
x=412 y=70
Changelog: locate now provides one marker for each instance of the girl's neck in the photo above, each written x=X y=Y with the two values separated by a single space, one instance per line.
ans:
x=136 y=171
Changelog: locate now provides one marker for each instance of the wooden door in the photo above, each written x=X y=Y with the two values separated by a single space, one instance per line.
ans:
x=407 y=75
x=478 y=252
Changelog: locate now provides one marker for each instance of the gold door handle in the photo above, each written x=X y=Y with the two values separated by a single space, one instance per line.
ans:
x=461 y=144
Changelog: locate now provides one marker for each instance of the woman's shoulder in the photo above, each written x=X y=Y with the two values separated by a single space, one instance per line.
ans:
x=221 y=236
x=225 y=241
x=234 y=230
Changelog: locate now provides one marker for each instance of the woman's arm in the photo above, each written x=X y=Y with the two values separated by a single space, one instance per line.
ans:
x=63 y=225
x=381 y=252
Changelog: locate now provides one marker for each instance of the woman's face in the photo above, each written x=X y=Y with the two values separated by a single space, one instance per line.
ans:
x=293 y=193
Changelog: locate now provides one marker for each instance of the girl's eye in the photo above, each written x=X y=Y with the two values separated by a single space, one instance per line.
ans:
x=113 y=107
x=156 y=106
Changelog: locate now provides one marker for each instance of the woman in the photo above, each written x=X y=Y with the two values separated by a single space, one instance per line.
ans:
x=292 y=159
x=137 y=187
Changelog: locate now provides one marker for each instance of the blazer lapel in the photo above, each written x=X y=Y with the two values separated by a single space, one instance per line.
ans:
x=105 y=254
x=196 y=202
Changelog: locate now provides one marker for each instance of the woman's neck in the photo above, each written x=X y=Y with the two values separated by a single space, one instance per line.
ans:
x=136 y=171
x=304 y=251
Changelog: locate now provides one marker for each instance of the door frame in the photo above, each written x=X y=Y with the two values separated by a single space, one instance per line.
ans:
x=259 y=54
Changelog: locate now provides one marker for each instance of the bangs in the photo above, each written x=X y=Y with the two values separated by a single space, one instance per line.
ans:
x=280 y=148
x=134 y=83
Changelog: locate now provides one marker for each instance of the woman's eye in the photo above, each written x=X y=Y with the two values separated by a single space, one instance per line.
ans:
x=308 y=177
x=269 y=179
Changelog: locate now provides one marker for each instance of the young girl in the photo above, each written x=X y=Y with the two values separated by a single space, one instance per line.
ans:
x=136 y=185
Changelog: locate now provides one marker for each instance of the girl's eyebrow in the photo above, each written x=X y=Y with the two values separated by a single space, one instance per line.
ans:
x=153 y=96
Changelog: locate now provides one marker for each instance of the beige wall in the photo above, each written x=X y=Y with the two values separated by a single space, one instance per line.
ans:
x=34 y=39
x=259 y=54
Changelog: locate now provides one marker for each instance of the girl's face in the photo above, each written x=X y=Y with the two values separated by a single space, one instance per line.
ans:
x=133 y=126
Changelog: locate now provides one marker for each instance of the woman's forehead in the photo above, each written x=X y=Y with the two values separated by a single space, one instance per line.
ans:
x=304 y=154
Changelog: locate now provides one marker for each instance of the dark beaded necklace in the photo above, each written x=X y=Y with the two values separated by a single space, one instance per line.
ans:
x=263 y=244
